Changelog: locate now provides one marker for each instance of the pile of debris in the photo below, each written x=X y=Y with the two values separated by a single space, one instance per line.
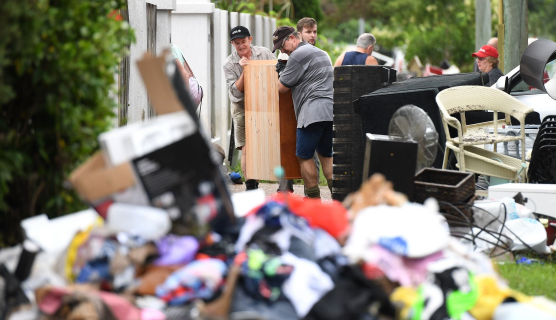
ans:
x=165 y=240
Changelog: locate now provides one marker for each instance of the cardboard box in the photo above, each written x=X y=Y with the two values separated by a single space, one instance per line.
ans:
x=179 y=173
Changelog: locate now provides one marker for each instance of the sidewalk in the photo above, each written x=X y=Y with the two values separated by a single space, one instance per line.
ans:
x=270 y=188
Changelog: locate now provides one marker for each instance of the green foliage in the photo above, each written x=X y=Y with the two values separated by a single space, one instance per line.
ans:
x=541 y=19
x=435 y=30
x=345 y=10
x=57 y=66
x=333 y=50
x=308 y=8
x=236 y=6
x=280 y=22
x=348 y=31
x=430 y=29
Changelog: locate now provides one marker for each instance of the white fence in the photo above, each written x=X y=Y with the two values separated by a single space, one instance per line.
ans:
x=202 y=33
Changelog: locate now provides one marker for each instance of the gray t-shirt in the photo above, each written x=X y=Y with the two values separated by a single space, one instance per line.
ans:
x=310 y=75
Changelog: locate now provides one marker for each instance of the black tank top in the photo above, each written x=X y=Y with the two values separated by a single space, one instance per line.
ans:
x=354 y=58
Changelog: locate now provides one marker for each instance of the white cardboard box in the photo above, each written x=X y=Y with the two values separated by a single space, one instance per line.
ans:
x=541 y=197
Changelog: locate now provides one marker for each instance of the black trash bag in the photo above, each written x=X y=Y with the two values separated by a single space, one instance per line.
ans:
x=351 y=298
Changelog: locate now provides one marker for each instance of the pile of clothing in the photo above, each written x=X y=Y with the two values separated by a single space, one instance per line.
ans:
x=375 y=256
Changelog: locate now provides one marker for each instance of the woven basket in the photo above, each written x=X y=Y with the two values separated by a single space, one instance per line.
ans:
x=444 y=185
x=454 y=217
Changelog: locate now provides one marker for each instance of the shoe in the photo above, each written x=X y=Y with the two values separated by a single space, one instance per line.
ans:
x=235 y=177
x=251 y=184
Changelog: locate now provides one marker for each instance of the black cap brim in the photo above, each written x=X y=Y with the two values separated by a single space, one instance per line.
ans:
x=276 y=47
x=239 y=36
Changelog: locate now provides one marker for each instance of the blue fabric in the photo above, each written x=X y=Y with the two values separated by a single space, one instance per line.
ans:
x=95 y=271
x=354 y=58
x=316 y=136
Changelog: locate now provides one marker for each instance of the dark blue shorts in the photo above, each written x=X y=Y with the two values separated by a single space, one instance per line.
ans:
x=316 y=136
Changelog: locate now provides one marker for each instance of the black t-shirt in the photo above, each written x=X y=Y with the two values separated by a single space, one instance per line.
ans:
x=493 y=76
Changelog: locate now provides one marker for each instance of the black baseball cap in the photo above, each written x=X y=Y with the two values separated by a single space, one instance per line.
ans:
x=279 y=35
x=239 y=32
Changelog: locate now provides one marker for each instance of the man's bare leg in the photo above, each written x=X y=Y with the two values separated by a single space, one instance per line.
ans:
x=317 y=166
x=310 y=177
x=326 y=163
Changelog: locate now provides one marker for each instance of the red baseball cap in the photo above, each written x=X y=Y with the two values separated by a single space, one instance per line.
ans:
x=486 y=51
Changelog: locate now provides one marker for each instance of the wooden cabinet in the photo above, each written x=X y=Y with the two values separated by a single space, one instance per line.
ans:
x=270 y=124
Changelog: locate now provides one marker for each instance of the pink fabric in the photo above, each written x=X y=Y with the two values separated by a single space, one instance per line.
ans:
x=195 y=90
x=121 y=308
x=152 y=314
x=408 y=272
x=52 y=301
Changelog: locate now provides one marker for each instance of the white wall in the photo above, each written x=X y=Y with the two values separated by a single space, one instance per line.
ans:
x=267 y=33
x=221 y=100
x=272 y=29
x=258 y=29
x=137 y=110
x=245 y=20
x=191 y=32
x=163 y=4
x=234 y=22
x=163 y=29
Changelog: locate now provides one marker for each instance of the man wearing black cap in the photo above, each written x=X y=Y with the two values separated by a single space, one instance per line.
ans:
x=233 y=70
x=309 y=74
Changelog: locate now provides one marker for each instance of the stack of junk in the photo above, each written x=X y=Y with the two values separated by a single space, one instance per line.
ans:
x=164 y=239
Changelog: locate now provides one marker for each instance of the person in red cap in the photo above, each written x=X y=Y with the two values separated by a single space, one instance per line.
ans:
x=487 y=60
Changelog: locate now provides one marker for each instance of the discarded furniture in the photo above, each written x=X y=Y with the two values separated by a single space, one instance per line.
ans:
x=472 y=158
x=350 y=83
x=270 y=124
x=542 y=168
x=395 y=158
x=376 y=108
x=444 y=185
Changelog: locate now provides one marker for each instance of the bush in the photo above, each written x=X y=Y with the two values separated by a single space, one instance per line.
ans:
x=57 y=66
x=307 y=8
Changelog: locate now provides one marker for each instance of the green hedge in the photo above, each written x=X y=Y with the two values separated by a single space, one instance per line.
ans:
x=57 y=65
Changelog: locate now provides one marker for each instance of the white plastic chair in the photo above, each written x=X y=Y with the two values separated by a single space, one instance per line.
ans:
x=474 y=159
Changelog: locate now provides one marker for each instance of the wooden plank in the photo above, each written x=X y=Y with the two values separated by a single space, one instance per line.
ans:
x=288 y=136
x=262 y=120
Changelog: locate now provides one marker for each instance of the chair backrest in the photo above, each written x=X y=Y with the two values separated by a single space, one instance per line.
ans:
x=471 y=98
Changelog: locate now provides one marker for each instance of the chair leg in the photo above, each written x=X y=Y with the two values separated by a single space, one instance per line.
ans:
x=461 y=160
x=446 y=157
x=523 y=157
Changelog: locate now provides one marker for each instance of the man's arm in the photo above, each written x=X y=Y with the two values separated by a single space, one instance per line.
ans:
x=340 y=60
x=371 y=61
x=282 y=88
x=240 y=84
x=290 y=76
x=231 y=79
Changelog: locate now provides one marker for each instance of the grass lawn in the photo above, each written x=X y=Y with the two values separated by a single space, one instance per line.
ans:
x=534 y=279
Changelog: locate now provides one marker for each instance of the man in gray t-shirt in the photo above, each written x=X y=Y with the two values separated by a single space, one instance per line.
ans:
x=309 y=74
